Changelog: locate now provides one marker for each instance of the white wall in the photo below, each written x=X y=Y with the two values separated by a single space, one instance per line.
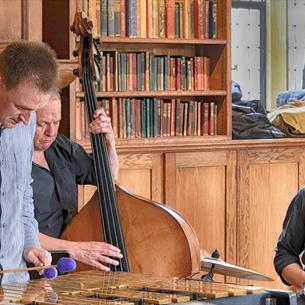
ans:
x=296 y=43
x=246 y=52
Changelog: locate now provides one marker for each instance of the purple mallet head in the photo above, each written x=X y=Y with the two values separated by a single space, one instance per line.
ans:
x=50 y=273
x=66 y=264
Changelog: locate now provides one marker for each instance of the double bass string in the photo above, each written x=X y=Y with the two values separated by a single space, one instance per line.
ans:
x=110 y=232
x=109 y=218
x=113 y=232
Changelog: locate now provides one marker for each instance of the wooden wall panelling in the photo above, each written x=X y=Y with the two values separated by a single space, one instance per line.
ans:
x=267 y=181
x=170 y=179
x=85 y=192
x=201 y=186
x=20 y=19
x=230 y=212
x=301 y=164
x=10 y=20
x=31 y=22
x=56 y=14
x=141 y=174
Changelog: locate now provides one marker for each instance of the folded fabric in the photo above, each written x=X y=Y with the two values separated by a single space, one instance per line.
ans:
x=293 y=107
x=290 y=119
x=255 y=105
x=249 y=124
x=286 y=97
x=292 y=124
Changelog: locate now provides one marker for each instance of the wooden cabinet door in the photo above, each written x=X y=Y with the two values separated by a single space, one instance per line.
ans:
x=267 y=181
x=201 y=186
x=141 y=174
x=20 y=20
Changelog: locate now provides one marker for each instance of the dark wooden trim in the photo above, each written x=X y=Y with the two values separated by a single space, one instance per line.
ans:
x=24 y=19
x=55 y=26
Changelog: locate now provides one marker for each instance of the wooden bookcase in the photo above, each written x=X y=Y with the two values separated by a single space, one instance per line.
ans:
x=218 y=93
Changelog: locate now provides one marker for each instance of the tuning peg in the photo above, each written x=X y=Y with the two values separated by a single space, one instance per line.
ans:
x=98 y=57
x=75 y=53
x=72 y=28
x=97 y=40
x=76 y=71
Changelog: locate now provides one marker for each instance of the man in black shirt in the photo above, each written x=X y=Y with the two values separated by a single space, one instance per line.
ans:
x=59 y=165
x=291 y=244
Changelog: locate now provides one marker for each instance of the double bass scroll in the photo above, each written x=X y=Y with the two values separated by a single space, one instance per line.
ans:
x=152 y=237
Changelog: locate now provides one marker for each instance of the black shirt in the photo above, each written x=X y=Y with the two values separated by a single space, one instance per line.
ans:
x=291 y=242
x=50 y=215
x=55 y=198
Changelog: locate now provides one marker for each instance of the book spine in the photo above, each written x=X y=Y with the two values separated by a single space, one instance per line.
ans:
x=123 y=18
x=198 y=19
x=104 y=17
x=206 y=18
x=155 y=18
x=186 y=19
x=177 y=120
x=139 y=119
x=117 y=18
x=111 y=18
x=178 y=73
x=212 y=119
x=206 y=73
x=170 y=18
x=205 y=119
x=214 y=17
x=143 y=19
x=124 y=71
x=173 y=117
x=149 y=22
x=161 y=20
x=131 y=18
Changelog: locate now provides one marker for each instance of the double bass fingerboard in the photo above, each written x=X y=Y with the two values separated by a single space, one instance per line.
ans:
x=117 y=288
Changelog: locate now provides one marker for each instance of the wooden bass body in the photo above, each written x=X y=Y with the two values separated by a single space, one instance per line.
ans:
x=158 y=240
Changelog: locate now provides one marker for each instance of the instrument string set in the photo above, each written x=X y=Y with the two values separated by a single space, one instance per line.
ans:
x=111 y=224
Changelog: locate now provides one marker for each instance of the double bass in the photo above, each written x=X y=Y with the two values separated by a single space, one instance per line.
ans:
x=152 y=237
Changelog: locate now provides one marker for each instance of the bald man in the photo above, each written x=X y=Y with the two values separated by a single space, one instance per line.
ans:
x=59 y=165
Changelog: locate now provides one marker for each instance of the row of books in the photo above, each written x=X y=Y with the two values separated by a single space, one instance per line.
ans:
x=158 y=18
x=139 y=71
x=153 y=117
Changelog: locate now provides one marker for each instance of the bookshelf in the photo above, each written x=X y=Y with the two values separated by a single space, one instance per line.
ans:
x=165 y=73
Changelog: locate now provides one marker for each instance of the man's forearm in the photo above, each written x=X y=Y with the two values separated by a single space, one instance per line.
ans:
x=294 y=275
x=50 y=243
x=113 y=161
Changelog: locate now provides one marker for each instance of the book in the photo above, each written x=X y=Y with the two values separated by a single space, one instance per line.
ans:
x=170 y=18
x=104 y=17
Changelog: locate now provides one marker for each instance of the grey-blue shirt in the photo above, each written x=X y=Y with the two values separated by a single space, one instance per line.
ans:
x=18 y=227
